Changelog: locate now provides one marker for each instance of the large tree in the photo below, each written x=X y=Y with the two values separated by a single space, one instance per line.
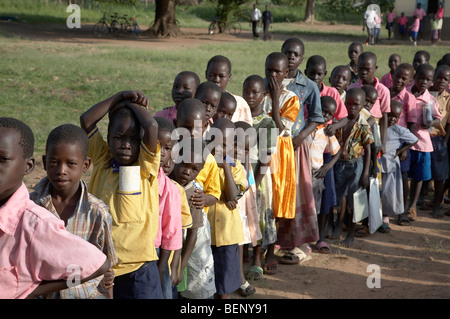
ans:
x=309 y=11
x=165 y=24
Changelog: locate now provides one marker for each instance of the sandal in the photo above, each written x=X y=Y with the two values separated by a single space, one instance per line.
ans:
x=246 y=290
x=323 y=247
x=294 y=256
x=270 y=269
x=255 y=273
x=384 y=228
x=412 y=214
x=403 y=220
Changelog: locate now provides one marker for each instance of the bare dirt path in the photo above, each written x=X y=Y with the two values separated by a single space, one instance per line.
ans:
x=413 y=262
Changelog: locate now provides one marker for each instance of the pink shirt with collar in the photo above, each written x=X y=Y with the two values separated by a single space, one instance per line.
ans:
x=36 y=247
x=408 y=100
x=170 y=236
x=341 y=110
x=382 y=104
x=169 y=113
x=424 y=144
x=386 y=80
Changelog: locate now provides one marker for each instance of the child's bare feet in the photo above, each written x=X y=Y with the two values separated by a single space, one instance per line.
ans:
x=348 y=241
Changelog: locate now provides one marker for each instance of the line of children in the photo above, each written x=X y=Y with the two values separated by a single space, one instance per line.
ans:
x=173 y=199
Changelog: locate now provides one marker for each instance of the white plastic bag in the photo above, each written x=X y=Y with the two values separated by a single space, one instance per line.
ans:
x=375 y=211
x=360 y=205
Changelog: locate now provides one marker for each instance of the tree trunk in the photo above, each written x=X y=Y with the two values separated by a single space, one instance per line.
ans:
x=165 y=24
x=309 y=11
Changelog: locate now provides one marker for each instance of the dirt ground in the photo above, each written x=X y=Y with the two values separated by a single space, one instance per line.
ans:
x=413 y=262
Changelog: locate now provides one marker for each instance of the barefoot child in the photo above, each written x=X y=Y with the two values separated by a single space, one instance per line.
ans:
x=266 y=132
x=351 y=171
x=398 y=140
x=65 y=195
x=133 y=202
x=42 y=265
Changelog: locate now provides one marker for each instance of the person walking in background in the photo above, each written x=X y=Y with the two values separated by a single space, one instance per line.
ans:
x=421 y=13
x=267 y=19
x=256 y=16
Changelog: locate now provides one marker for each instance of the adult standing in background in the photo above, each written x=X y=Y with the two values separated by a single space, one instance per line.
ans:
x=267 y=19
x=421 y=13
x=256 y=16
x=439 y=16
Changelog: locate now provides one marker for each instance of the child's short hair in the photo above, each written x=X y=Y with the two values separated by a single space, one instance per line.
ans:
x=227 y=96
x=70 y=134
x=164 y=124
x=370 y=90
x=277 y=56
x=367 y=56
x=327 y=100
x=424 y=68
x=219 y=59
x=189 y=106
x=423 y=53
x=191 y=74
x=26 y=134
x=356 y=91
x=294 y=40
x=316 y=60
x=442 y=68
x=204 y=86
x=407 y=67
x=122 y=113
x=255 y=78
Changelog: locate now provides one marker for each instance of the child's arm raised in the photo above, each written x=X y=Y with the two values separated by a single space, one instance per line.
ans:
x=90 y=118
x=149 y=125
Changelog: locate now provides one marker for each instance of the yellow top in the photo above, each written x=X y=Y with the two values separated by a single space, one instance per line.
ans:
x=186 y=218
x=226 y=224
x=135 y=214
x=209 y=178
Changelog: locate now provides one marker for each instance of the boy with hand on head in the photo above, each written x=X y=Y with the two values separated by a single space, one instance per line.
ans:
x=227 y=106
x=226 y=225
x=393 y=63
x=65 y=195
x=125 y=174
x=420 y=169
x=367 y=65
x=316 y=69
x=264 y=125
x=42 y=265
x=184 y=86
x=218 y=71
x=324 y=193
x=209 y=94
x=398 y=140
x=351 y=171
x=354 y=51
x=169 y=237
x=340 y=79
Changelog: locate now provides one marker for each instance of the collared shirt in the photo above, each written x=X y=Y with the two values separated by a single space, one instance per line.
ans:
x=408 y=101
x=402 y=20
x=387 y=80
x=135 y=213
x=226 y=224
x=169 y=113
x=92 y=222
x=186 y=217
x=309 y=97
x=256 y=14
x=320 y=142
x=416 y=25
x=360 y=136
x=383 y=102
x=289 y=110
x=424 y=144
x=421 y=12
x=208 y=177
x=443 y=100
x=341 y=110
x=242 y=112
x=170 y=236
x=390 y=16
x=36 y=247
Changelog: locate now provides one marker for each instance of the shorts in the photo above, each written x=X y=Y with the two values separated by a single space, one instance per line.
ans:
x=413 y=34
x=227 y=268
x=347 y=175
x=420 y=169
x=439 y=159
x=389 y=25
x=406 y=163
x=402 y=29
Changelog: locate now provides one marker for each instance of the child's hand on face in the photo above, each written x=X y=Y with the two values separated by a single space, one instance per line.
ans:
x=274 y=89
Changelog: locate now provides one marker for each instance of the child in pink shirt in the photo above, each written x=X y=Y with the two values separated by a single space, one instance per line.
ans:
x=420 y=169
x=414 y=30
x=402 y=21
x=390 y=17
x=394 y=61
x=35 y=245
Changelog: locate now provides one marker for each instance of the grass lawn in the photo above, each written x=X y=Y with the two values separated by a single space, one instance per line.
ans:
x=47 y=84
